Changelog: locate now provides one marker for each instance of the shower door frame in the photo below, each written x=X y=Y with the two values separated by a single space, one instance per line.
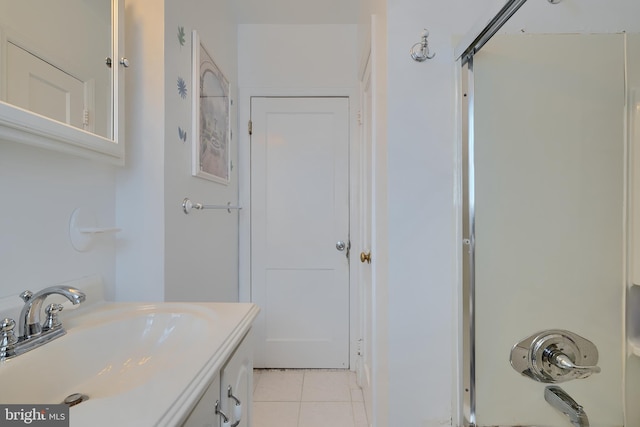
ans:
x=472 y=43
x=468 y=249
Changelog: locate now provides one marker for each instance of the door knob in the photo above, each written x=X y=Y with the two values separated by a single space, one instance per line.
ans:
x=365 y=257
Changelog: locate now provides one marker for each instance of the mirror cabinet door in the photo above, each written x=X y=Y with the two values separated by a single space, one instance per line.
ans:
x=59 y=75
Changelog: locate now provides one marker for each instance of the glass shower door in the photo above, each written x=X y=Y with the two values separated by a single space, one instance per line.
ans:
x=549 y=149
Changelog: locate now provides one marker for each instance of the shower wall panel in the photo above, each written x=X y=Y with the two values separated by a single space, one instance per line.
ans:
x=632 y=373
x=549 y=242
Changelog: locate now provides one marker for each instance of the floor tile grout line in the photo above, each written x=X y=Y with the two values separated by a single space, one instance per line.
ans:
x=304 y=374
x=350 y=402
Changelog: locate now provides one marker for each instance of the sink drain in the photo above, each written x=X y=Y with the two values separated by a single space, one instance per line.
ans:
x=75 y=399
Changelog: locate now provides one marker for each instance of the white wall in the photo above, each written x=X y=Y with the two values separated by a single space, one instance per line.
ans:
x=140 y=191
x=422 y=210
x=40 y=189
x=201 y=249
x=297 y=56
x=423 y=245
x=291 y=60
x=165 y=254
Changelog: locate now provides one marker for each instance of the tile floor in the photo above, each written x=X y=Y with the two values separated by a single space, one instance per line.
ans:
x=307 y=398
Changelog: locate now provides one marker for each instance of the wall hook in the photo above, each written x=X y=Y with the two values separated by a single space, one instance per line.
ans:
x=420 y=51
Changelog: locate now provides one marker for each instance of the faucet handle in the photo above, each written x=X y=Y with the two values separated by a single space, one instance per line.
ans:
x=52 y=321
x=563 y=361
x=7 y=335
x=7 y=325
x=26 y=295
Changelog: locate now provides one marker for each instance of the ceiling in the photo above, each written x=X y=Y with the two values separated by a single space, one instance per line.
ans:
x=297 y=11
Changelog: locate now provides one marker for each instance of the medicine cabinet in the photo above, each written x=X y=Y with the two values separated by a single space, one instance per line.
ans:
x=61 y=76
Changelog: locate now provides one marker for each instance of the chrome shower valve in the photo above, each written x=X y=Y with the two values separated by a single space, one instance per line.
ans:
x=555 y=356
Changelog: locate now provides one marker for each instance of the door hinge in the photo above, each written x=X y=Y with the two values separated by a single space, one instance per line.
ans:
x=85 y=117
x=360 y=118
x=250 y=127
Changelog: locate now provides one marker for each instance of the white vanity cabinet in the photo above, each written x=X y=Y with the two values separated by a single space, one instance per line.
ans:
x=236 y=384
x=235 y=375
x=173 y=363
x=203 y=415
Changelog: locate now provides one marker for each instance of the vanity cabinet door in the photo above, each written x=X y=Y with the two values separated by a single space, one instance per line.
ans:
x=236 y=384
x=204 y=415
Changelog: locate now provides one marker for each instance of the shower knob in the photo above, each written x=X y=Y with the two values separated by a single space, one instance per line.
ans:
x=555 y=356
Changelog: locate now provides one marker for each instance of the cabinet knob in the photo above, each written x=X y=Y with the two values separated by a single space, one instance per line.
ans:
x=124 y=62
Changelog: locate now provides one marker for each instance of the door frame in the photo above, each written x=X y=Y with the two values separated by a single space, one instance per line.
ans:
x=244 y=189
x=366 y=321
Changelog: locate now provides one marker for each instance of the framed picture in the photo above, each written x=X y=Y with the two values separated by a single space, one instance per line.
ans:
x=211 y=124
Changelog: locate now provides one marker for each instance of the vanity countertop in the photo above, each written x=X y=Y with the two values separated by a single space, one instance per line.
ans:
x=168 y=397
x=140 y=364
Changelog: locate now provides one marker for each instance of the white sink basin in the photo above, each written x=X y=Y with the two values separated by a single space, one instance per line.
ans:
x=137 y=363
x=106 y=352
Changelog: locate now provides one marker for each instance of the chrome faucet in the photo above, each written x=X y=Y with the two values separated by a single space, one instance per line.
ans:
x=33 y=333
x=30 y=325
x=559 y=399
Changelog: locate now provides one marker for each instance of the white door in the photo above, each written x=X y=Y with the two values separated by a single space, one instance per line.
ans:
x=364 y=369
x=300 y=231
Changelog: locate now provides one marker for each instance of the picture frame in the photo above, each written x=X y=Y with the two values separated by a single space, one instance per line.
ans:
x=211 y=126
